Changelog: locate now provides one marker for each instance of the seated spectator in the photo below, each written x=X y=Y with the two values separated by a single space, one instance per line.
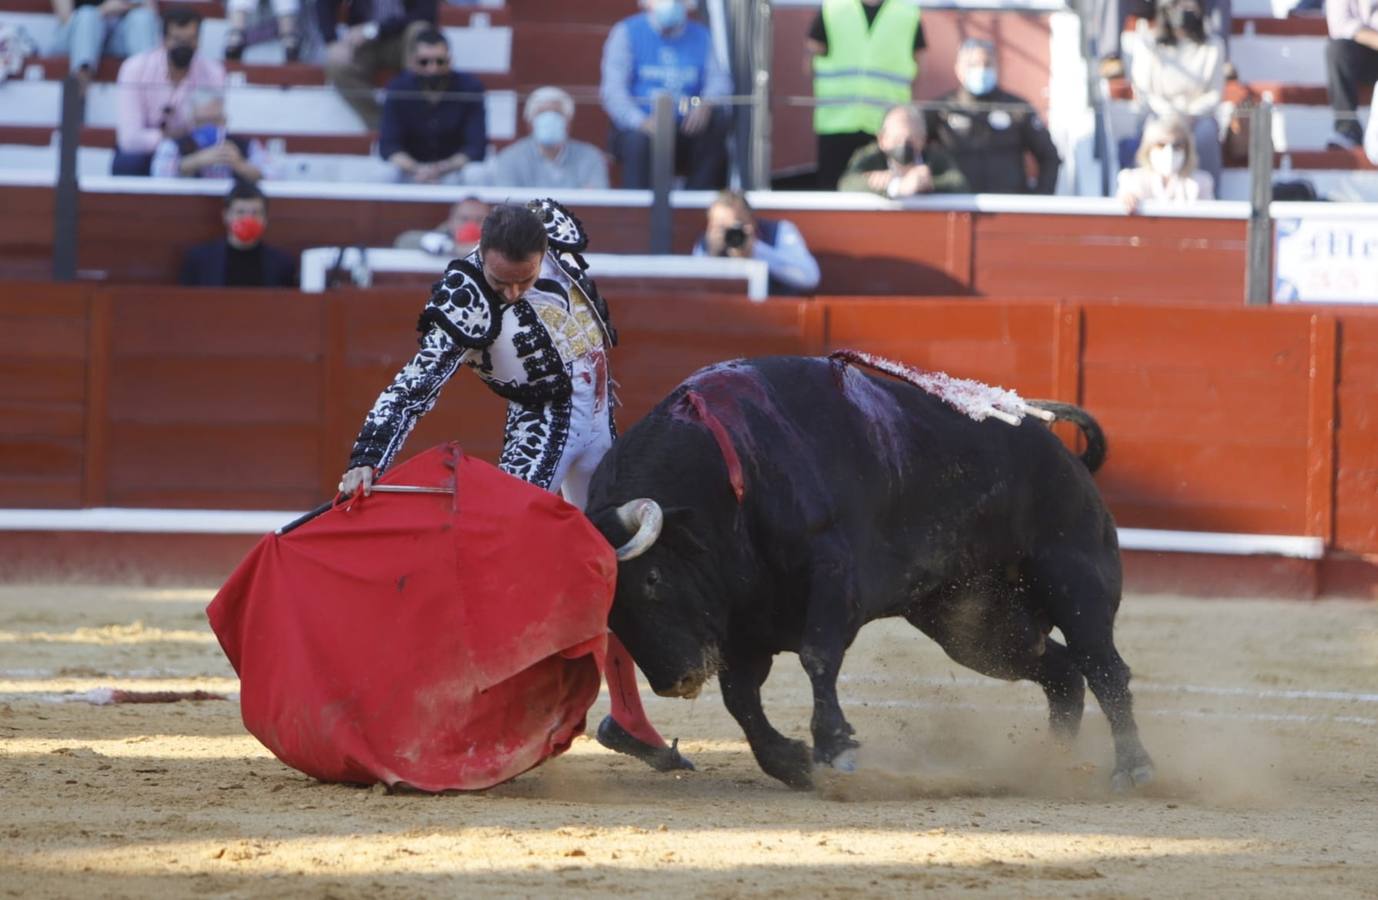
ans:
x=241 y=259
x=89 y=28
x=1351 y=62
x=661 y=51
x=548 y=157
x=378 y=37
x=208 y=150
x=1166 y=168
x=735 y=231
x=988 y=130
x=154 y=89
x=1107 y=19
x=1179 y=71
x=433 y=117
x=897 y=163
x=456 y=236
x=236 y=39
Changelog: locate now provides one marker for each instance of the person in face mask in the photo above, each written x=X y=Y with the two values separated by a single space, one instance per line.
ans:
x=433 y=117
x=989 y=131
x=154 y=91
x=1178 y=71
x=900 y=163
x=1166 y=170
x=240 y=259
x=455 y=236
x=209 y=150
x=663 y=51
x=548 y=157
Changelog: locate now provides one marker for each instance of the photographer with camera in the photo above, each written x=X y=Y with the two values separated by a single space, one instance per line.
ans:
x=897 y=163
x=734 y=230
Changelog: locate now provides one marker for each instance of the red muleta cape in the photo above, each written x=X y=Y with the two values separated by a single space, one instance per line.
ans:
x=440 y=641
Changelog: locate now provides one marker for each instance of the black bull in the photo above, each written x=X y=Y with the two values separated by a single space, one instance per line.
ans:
x=803 y=498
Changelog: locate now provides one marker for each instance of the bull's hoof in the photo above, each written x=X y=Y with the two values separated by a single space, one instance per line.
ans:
x=789 y=762
x=1124 y=781
x=845 y=761
x=662 y=759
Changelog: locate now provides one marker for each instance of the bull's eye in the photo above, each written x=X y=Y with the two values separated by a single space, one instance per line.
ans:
x=652 y=577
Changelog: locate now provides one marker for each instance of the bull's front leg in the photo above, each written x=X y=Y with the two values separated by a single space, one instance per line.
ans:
x=825 y=643
x=779 y=757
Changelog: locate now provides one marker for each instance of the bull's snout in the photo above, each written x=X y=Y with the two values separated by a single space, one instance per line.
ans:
x=687 y=688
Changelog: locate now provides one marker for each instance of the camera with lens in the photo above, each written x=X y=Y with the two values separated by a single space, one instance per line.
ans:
x=734 y=238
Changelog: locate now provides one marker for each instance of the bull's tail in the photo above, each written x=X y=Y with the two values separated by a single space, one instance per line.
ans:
x=1094 y=454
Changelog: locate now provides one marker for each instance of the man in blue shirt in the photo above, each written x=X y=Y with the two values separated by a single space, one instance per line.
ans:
x=661 y=51
x=433 y=117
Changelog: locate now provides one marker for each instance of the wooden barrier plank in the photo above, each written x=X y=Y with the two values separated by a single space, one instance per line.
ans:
x=206 y=323
x=31 y=379
x=1006 y=344
x=95 y=474
x=1096 y=258
x=1320 y=433
x=215 y=390
x=26 y=233
x=874 y=252
x=1356 y=433
x=24 y=419
x=42 y=392
x=219 y=466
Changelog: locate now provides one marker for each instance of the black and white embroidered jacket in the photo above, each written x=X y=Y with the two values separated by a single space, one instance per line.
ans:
x=523 y=351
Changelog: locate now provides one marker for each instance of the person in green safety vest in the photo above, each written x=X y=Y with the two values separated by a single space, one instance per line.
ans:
x=865 y=56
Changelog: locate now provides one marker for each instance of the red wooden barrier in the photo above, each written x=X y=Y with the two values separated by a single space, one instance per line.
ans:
x=1248 y=420
x=141 y=238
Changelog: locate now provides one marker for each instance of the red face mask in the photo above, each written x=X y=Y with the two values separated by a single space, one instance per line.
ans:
x=247 y=229
x=468 y=233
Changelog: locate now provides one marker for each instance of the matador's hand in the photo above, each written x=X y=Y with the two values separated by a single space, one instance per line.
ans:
x=355 y=478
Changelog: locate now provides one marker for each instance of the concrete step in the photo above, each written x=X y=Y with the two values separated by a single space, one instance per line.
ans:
x=482 y=48
x=252 y=109
x=1295 y=127
x=1331 y=184
x=1288 y=59
x=1273 y=91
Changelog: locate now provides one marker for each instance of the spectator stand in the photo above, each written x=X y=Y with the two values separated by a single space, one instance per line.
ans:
x=312 y=132
x=994 y=245
x=1280 y=59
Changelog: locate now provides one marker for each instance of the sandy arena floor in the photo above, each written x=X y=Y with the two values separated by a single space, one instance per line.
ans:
x=1263 y=718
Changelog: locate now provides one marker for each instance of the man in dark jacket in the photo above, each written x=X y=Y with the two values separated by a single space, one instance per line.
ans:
x=241 y=259
x=988 y=131
x=433 y=117
x=378 y=37
x=901 y=163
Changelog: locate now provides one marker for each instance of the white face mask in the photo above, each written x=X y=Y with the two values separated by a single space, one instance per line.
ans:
x=549 y=129
x=1167 y=160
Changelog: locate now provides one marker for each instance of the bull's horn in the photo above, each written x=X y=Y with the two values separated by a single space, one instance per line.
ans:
x=645 y=518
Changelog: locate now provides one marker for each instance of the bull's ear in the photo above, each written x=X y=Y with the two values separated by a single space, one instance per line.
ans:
x=682 y=529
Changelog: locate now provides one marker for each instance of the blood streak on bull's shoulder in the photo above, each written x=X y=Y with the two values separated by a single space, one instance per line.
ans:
x=714 y=399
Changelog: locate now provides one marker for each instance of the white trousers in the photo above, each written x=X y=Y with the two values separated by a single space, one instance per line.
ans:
x=590 y=430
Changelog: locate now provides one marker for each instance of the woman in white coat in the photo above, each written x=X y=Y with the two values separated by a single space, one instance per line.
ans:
x=1177 y=69
x=1166 y=169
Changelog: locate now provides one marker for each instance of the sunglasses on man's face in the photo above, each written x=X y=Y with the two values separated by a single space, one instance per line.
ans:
x=432 y=62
